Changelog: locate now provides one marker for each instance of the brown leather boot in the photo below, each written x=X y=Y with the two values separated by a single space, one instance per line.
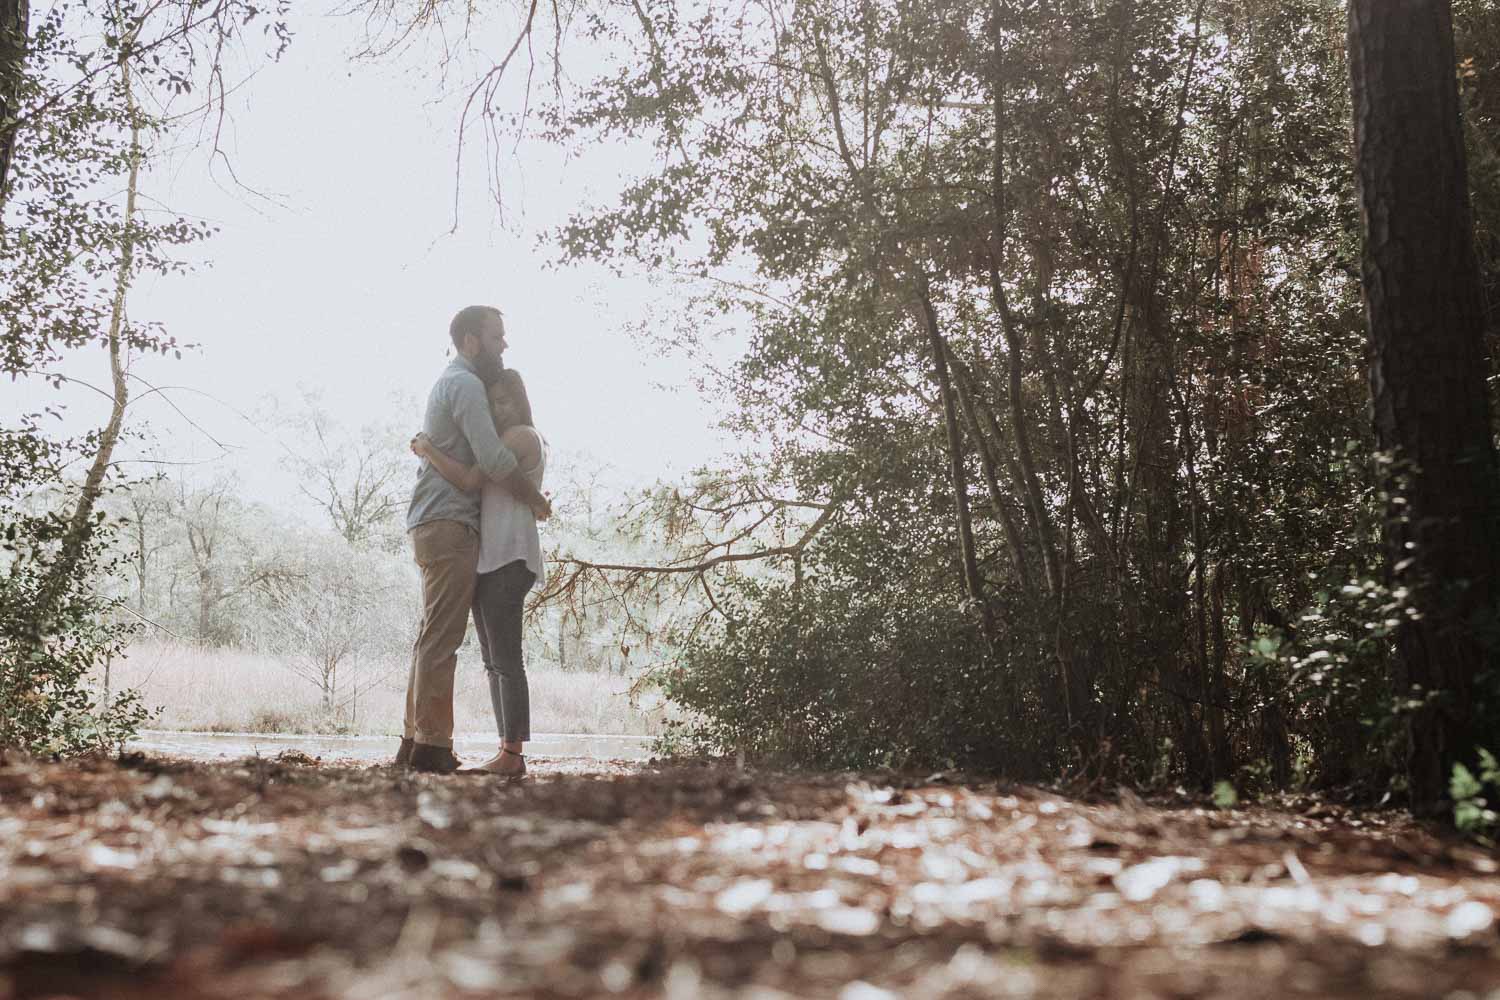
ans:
x=434 y=760
x=403 y=754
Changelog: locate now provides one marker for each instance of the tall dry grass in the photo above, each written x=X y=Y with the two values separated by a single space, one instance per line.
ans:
x=232 y=690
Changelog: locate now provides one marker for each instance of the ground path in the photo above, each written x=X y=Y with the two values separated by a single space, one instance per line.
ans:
x=294 y=878
x=375 y=749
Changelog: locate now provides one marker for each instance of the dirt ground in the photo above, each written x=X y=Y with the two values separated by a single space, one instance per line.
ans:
x=154 y=877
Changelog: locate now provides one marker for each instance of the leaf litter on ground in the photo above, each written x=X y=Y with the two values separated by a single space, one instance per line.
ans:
x=154 y=877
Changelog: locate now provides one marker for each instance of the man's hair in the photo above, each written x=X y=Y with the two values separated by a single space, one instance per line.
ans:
x=469 y=321
x=510 y=384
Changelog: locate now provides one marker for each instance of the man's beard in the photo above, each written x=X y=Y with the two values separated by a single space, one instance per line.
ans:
x=488 y=366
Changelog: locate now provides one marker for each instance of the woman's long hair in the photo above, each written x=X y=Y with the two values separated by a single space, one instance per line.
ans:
x=510 y=384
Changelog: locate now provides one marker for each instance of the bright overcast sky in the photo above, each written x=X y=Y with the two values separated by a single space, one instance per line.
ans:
x=343 y=282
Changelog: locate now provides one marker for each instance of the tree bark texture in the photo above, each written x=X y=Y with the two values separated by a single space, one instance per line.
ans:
x=1427 y=365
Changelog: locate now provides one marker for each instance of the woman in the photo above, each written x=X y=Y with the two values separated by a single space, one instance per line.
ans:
x=510 y=564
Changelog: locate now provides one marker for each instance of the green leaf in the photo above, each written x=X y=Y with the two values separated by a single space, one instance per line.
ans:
x=1463 y=785
x=1489 y=768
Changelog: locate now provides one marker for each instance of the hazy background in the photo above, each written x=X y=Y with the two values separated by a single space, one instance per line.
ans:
x=341 y=256
x=347 y=237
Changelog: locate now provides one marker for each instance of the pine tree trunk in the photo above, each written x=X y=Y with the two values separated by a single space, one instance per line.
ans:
x=1427 y=366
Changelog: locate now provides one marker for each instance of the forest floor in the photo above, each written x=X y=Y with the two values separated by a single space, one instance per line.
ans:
x=154 y=878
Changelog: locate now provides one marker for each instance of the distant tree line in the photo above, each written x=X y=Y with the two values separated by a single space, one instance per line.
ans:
x=336 y=599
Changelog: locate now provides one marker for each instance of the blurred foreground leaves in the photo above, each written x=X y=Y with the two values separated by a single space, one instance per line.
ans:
x=290 y=877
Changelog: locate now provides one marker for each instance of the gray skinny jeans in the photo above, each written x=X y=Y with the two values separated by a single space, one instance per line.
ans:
x=499 y=598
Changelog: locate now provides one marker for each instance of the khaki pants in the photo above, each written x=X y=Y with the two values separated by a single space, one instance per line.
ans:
x=447 y=553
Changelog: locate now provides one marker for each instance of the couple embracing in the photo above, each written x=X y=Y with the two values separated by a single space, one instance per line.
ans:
x=473 y=527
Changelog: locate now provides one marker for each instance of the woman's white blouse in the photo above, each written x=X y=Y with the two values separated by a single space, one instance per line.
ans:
x=507 y=527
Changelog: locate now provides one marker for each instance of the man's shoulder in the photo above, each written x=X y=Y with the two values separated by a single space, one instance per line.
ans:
x=457 y=378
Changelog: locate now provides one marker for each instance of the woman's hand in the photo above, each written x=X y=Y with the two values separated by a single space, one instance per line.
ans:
x=421 y=445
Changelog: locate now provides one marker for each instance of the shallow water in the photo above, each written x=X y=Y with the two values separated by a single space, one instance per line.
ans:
x=475 y=748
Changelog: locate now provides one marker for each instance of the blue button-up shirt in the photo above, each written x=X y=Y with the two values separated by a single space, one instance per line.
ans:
x=458 y=422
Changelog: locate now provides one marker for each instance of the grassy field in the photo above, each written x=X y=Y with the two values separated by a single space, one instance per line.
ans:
x=230 y=690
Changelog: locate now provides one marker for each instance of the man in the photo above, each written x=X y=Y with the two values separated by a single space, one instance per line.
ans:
x=443 y=522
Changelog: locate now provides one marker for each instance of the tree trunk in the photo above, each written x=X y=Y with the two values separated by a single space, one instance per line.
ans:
x=208 y=589
x=1422 y=303
x=1013 y=539
x=330 y=688
x=1075 y=675
x=83 y=521
x=140 y=562
x=15 y=27
x=973 y=583
x=1020 y=421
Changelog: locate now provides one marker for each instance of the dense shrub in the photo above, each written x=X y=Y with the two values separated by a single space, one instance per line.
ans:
x=841 y=676
x=51 y=656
